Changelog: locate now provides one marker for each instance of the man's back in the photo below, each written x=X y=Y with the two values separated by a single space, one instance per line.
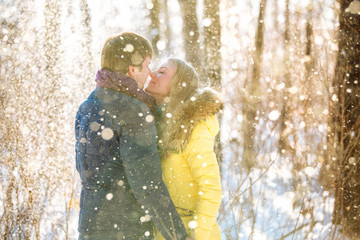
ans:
x=107 y=201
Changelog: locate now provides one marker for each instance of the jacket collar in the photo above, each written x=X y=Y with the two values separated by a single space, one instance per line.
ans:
x=124 y=84
x=177 y=129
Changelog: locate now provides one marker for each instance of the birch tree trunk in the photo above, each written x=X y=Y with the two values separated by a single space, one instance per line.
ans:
x=285 y=119
x=52 y=74
x=212 y=66
x=191 y=35
x=309 y=61
x=212 y=42
x=254 y=93
x=155 y=26
x=89 y=62
x=168 y=37
x=346 y=114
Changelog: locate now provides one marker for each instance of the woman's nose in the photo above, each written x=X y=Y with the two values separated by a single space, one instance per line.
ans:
x=152 y=75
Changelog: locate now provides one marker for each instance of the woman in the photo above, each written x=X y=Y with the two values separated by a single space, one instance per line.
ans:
x=188 y=127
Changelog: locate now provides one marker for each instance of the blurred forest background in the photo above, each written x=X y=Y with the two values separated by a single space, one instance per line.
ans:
x=289 y=71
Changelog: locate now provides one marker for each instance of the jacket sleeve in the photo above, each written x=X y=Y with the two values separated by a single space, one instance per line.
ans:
x=140 y=157
x=201 y=158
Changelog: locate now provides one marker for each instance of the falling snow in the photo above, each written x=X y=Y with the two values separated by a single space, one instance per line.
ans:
x=107 y=133
x=46 y=74
x=193 y=224
x=274 y=115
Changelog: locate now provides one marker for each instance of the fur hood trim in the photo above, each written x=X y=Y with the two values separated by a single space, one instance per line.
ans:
x=178 y=129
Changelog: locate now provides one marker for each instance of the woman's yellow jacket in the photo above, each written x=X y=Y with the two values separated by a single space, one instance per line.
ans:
x=190 y=169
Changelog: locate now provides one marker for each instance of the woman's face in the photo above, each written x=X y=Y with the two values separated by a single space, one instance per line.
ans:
x=159 y=84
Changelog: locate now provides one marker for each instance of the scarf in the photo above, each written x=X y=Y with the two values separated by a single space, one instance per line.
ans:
x=126 y=85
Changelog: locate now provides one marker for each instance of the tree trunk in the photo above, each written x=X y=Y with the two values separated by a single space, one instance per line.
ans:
x=254 y=93
x=212 y=40
x=284 y=146
x=168 y=37
x=52 y=73
x=191 y=35
x=275 y=14
x=346 y=113
x=89 y=64
x=212 y=66
x=155 y=26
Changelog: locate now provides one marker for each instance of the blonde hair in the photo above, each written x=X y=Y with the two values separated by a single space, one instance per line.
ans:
x=183 y=85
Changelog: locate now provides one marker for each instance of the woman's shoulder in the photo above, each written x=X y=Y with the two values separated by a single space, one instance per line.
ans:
x=209 y=124
x=196 y=117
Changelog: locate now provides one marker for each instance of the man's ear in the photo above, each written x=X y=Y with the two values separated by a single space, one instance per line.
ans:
x=131 y=71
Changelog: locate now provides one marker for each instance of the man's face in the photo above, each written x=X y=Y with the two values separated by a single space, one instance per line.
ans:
x=141 y=75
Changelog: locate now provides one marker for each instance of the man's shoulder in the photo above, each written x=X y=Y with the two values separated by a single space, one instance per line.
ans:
x=127 y=103
x=110 y=97
x=115 y=102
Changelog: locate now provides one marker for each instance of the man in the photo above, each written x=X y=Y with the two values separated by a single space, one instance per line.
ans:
x=122 y=194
